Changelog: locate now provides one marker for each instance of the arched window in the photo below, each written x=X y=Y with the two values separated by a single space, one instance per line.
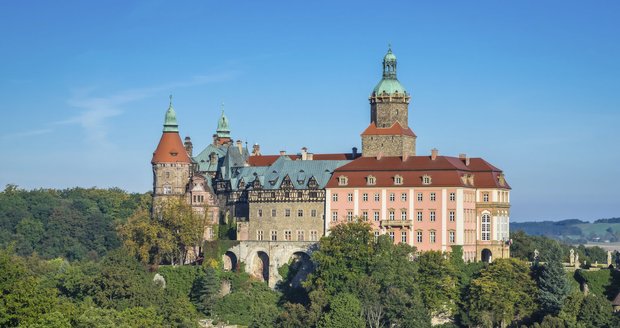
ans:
x=343 y=181
x=486 y=226
x=370 y=180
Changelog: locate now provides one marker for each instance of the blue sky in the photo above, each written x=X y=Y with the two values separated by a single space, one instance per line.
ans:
x=531 y=86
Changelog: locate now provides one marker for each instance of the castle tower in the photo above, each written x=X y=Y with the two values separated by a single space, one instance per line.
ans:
x=388 y=133
x=171 y=163
x=222 y=135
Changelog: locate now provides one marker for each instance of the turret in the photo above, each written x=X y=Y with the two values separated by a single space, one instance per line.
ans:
x=171 y=161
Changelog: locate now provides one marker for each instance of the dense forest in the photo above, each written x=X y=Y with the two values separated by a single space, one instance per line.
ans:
x=88 y=258
x=573 y=231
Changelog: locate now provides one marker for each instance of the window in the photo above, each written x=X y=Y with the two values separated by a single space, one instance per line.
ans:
x=403 y=197
x=392 y=215
x=451 y=216
x=334 y=197
x=433 y=197
x=300 y=235
x=314 y=236
x=451 y=236
x=273 y=212
x=287 y=212
x=167 y=190
x=420 y=197
x=274 y=235
x=370 y=180
x=313 y=213
x=167 y=175
x=377 y=197
x=349 y=216
x=398 y=180
x=376 y=233
x=392 y=235
x=452 y=196
x=259 y=235
x=403 y=215
x=343 y=181
x=300 y=213
x=365 y=197
x=426 y=179
x=392 y=197
x=432 y=237
x=486 y=227
x=334 y=216
x=419 y=216
x=403 y=237
x=376 y=216
x=288 y=235
x=259 y=213
x=485 y=197
x=432 y=216
x=418 y=236
x=365 y=215
x=350 y=197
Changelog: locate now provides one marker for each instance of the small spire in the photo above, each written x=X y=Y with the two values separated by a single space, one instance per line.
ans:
x=170 y=100
x=170 y=121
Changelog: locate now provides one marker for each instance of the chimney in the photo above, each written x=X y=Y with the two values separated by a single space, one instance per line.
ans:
x=464 y=158
x=405 y=157
x=215 y=143
x=240 y=146
x=256 y=150
x=304 y=154
x=354 y=152
x=434 y=153
x=310 y=156
x=189 y=147
x=379 y=155
x=282 y=152
x=212 y=158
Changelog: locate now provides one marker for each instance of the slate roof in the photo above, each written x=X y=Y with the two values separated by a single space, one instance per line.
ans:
x=204 y=158
x=299 y=172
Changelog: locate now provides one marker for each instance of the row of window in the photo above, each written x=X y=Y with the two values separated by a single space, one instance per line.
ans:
x=287 y=235
x=392 y=197
x=372 y=180
x=287 y=213
x=419 y=236
x=392 y=215
x=198 y=198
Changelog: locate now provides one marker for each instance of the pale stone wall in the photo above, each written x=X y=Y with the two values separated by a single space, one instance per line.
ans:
x=174 y=175
x=281 y=223
x=398 y=145
x=385 y=114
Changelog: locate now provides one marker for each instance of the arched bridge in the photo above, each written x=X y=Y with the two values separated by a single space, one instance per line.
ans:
x=263 y=258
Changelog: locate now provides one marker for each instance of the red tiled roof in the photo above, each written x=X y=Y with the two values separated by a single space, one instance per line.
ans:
x=444 y=171
x=266 y=160
x=170 y=150
x=395 y=129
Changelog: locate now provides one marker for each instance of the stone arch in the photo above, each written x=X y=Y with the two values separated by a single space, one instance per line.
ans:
x=300 y=265
x=486 y=255
x=231 y=262
x=260 y=266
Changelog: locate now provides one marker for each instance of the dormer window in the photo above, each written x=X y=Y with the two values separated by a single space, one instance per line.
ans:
x=312 y=183
x=241 y=184
x=398 y=180
x=343 y=181
x=426 y=179
x=371 y=180
x=501 y=180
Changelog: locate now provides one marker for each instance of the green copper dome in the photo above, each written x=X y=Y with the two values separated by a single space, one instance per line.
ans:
x=223 y=127
x=389 y=83
x=170 y=122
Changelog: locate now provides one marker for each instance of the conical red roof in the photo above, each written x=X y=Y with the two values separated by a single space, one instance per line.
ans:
x=170 y=150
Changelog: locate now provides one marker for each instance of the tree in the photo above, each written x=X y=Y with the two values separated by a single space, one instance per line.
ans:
x=344 y=312
x=205 y=291
x=595 y=312
x=502 y=293
x=437 y=283
x=553 y=284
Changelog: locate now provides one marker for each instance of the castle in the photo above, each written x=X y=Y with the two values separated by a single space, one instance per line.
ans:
x=428 y=201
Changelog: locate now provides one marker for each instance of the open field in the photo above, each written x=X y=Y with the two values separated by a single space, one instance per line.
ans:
x=605 y=246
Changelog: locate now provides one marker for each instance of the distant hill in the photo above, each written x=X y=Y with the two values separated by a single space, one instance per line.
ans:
x=573 y=231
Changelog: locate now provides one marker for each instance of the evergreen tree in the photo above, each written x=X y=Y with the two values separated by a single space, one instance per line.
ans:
x=206 y=291
x=553 y=284
x=596 y=312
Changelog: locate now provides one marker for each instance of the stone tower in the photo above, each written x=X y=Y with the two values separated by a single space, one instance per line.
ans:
x=171 y=163
x=388 y=133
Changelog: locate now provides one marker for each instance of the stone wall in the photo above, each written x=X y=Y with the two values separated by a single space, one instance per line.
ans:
x=280 y=223
x=386 y=113
x=391 y=145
